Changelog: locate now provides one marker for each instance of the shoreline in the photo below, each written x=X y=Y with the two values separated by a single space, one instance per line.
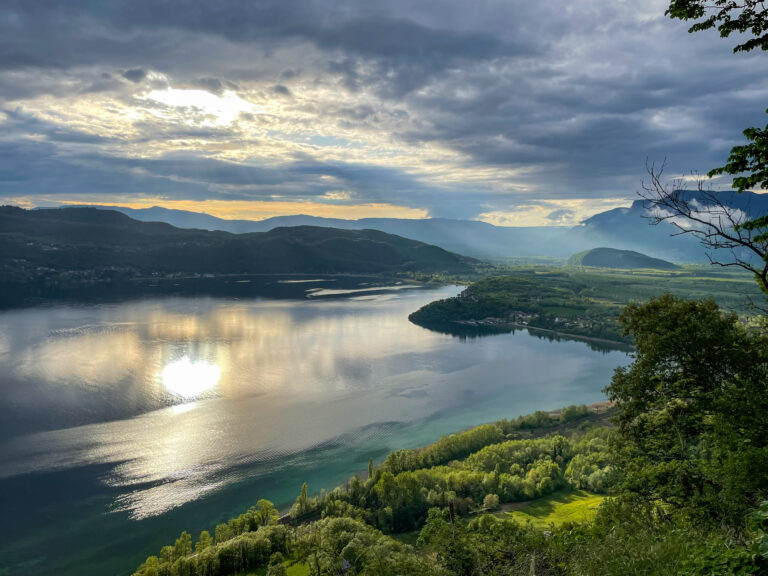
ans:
x=492 y=328
x=567 y=334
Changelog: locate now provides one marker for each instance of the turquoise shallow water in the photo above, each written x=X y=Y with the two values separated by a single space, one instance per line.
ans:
x=124 y=424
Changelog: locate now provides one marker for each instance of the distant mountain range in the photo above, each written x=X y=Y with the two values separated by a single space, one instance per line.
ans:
x=70 y=240
x=629 y=228
x=469 y=237
x=622 y=228
x=622 y=259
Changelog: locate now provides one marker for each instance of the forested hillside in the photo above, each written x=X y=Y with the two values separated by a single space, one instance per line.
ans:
x=577 y=302
x=621 y=259
x=45 y=252
x=682 y=470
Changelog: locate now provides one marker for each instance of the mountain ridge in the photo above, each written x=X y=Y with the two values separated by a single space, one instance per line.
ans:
x=44 y=250
x=625 y=228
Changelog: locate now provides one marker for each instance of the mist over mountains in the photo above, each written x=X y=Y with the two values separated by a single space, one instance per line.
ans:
x=622 y=228
x=469 y=237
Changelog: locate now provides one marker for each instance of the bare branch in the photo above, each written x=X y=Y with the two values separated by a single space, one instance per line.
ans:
x=717 y=226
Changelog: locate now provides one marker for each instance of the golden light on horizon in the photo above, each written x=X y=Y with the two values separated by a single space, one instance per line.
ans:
x=261 y=210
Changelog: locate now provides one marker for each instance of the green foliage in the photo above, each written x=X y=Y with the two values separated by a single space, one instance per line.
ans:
x=748 y=163
x=547 y=299
x=592 y=467
x=693 y=408
x=750 y=159
x=564 y=507
x=203 y=542
x=447 y=448
x=343 y=545
x=244 y=542
x=622 y=259
x=728 y=16
x=577 y=302
x=277 y=570
x=506 y=471
x=305 y=507
x=490 y=502
x=265 y=513
x=688 y=461
x=573 y=412
x=58 y=252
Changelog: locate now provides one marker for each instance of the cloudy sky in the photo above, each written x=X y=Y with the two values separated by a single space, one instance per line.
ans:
x=510 y=111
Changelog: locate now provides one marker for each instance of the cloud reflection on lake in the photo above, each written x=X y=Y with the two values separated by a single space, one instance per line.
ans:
x=181 y=398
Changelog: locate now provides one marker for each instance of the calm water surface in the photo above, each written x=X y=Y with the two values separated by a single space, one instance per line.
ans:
x=124 y=424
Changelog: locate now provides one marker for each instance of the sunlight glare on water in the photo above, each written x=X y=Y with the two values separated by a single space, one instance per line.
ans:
x=135 y=420
x=188 y=379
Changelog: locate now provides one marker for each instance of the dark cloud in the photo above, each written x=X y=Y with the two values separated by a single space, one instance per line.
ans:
x=135 y=74
x=281 y=90
x=561 y=100
x=214 y=85
x=35 y=168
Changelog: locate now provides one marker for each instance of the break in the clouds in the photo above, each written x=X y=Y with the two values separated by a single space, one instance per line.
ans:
x=514 y=112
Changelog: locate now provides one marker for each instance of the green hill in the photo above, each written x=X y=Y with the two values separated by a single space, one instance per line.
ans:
x=87 y=247
x=552 y=301
x=623 y=259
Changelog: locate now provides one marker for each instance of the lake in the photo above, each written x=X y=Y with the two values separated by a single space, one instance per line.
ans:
x=123 y=424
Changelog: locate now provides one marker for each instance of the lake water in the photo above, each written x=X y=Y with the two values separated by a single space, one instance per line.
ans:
x=124 y=424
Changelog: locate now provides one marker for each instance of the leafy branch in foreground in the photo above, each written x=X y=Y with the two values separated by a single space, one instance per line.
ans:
x=728 y=16
x=716 y=225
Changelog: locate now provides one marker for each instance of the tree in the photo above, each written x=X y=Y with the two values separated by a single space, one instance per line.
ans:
x=277 y=570
x=728 y=16
x=692 y=407
x=265 y=513
x=182 y=546
x=491 y=502
x=719 y=227
x=203 y=542
x=729 y=236
x=222 y=533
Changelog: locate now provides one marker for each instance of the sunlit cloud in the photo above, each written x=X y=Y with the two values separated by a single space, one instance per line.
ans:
x=338 y=195
x=469 y=113
x=201 y=107
x=553 y=212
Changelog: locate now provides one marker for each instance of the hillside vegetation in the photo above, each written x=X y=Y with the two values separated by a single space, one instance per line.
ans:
x=676 y=487
x=620 y=259
x=577 y=302
x=41 y=250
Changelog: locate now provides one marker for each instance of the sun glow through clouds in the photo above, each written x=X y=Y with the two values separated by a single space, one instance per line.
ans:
x=204 y=107
x=189 y=379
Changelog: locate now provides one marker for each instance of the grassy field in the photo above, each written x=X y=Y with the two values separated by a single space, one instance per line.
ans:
x=409 y=538
x=557 y=508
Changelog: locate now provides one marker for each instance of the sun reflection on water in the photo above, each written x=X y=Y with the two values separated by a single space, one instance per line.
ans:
x=189 y=379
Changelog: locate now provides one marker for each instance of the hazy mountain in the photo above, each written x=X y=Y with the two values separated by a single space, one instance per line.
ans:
x=469 y=237
x=612 y=258
x=80 y=239
x=622 y=228
x=629 y=228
